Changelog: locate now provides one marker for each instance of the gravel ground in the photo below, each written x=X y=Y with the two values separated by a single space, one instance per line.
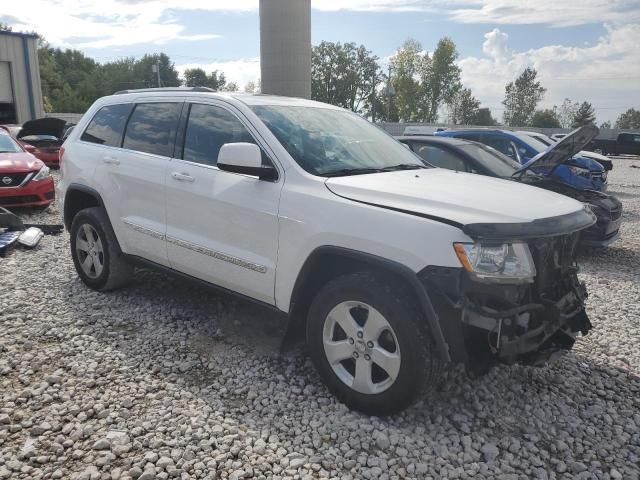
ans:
x=170 y=380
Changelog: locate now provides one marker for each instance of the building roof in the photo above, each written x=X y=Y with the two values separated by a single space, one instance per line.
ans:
x=19 y=34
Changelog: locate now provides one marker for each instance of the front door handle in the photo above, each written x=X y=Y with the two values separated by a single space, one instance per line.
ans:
x=110 y=160
x=182 y=177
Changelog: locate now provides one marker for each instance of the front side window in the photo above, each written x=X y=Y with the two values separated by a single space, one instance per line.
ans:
x=328 y=142
x=107 y=126
x=152 y=128
x=8 y=144
x=208 y=128
x=440 y=157
x=503 y=145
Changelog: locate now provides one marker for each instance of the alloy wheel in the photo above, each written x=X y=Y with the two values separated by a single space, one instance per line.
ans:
x=90 y=251
x=361 y=347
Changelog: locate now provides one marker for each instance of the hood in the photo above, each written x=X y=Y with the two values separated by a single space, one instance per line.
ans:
x=43 y=126
x=459 y=199
x=563 y=150
x=19 y=163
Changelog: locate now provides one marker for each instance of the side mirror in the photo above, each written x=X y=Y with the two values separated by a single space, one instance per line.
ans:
x=245 y=158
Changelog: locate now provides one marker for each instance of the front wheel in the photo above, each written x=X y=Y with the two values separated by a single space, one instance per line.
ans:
x=370 y=344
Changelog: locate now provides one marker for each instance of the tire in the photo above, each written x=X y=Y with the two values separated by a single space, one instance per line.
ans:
x=406 y=350
x=111 y=271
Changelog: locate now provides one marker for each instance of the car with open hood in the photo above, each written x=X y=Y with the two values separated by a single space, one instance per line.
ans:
x=43 y=138
x=24 y=180
x=387 y=268
x=467 y=156
x=548 y=141
x=580 y=172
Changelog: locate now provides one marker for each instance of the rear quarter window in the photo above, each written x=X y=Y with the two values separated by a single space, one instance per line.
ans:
x=152 y=128
x=107 y=126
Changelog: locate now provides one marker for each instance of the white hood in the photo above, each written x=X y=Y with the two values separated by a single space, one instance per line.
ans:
x=463 y=198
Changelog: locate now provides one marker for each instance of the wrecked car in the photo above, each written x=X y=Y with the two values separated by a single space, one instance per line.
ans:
x=578 y=171
x=43 y=138
x=386 y=267
x=468 y=156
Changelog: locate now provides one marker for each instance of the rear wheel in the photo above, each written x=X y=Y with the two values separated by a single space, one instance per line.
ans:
x=370 y=344
x=96 y=253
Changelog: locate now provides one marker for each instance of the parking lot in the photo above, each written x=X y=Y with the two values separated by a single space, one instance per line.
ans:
x=168 y=379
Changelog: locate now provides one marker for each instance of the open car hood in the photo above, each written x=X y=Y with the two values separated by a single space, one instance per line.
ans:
x=43 y=126
x=565 y=149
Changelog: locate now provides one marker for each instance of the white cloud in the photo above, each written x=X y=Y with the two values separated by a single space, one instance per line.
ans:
x=240 y=71
x=110 y=23
x=606 y=74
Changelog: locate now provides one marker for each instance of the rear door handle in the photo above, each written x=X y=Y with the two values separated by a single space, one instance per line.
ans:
x=110 y=160
x=182 y=177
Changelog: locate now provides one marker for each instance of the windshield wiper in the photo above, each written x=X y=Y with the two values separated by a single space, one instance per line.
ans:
x=364 y=170
x=343 y=172
x=403 y=166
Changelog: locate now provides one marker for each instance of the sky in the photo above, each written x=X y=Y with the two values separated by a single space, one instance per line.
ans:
x=583 y=50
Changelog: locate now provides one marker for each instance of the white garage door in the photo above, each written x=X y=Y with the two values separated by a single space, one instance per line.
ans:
x=6 y=95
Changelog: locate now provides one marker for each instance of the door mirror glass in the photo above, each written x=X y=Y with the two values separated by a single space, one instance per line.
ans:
x=244 y=158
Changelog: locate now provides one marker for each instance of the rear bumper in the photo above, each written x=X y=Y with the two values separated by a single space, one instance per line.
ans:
x=49 y=158
x=33 y=194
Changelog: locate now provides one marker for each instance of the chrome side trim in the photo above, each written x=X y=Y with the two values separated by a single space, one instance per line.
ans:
x=196 y=248
x=144 y=230
x=217 y=255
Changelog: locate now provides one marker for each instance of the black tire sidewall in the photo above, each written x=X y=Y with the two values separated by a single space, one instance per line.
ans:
x=399 y=310
x=91 y=217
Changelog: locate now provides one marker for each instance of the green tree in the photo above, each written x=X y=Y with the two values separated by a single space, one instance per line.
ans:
x=343 y=74
x=545 y=119
x=521 y=98
x=463 y=107
x=629 y=120
x=195 y=77
x=5 y=28
x=484 y=118
x=605 y=125
x=566 y=112
x=409 y=65
x=440 y=79
x=585 y=115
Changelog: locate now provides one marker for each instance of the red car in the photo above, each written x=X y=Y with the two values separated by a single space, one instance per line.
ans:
x=24 y=180
x=43 y=138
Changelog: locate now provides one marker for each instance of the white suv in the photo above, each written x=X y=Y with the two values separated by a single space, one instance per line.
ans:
x=389 y=268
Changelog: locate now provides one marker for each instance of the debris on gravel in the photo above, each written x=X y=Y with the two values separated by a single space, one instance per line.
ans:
x=167 y=380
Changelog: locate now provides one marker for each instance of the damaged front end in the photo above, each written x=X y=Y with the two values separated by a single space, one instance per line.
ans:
x=527 y=321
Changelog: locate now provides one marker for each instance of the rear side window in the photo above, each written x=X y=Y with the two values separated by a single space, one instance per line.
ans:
x=152 y=128
x=107 y=125
x=208 y=128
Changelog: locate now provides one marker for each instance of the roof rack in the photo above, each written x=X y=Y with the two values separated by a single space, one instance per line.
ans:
x=166 y=89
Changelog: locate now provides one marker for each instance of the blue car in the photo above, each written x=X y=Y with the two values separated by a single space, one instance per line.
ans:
x=579 y=172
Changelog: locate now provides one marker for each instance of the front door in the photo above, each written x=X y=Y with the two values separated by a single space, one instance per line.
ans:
x=222 y=227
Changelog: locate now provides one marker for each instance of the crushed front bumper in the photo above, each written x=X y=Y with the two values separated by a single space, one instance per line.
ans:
x=489 y=323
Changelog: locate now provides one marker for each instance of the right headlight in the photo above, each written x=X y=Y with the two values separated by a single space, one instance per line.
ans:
x=497 y=263
x=42 y=174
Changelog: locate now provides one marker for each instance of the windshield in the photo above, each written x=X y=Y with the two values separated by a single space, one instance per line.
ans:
x=494 y=161
x=325 y=141
x=9 y=145
x=533 y=143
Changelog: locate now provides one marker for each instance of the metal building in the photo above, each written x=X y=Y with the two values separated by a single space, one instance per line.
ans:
x=285 y=47
x=20 y=90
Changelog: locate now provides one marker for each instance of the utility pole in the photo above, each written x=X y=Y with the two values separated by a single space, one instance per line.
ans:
x=390 y=92
x=155 y=68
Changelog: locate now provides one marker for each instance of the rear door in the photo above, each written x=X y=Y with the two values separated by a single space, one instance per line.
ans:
x=132 y=178
x=222 y=227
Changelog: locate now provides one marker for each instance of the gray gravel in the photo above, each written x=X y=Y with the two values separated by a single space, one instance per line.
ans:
x=169 y=380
